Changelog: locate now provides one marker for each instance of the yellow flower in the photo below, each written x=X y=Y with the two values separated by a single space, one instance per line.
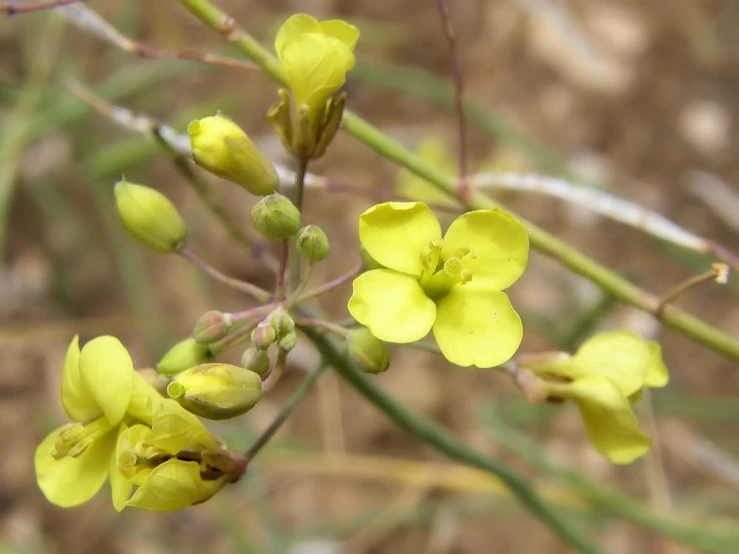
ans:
x=452 y=285
x=316 y=57
x=607 y=373
x=167 y=463
x=99 y=390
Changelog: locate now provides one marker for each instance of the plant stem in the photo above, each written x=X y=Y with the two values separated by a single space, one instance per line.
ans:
x=618 y=287
x=252 y=290
x=12 y=9
x=298 y=201
x=282 y=270
x=322 y=324
x=330 y=285
x=284 y=413
x=714 y=274
x=447 y=443
x=304 y=282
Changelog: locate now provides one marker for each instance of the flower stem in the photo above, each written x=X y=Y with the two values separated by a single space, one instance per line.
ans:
x=285 y=412
x=322 y=324
x=330 y=285
x=252 y=290
x=250 y=313
x=12 y=9
x=282 y=270
x=718 y=273
x=304 y=282
x=298 y=201
x=617 y=286
x=233 y=339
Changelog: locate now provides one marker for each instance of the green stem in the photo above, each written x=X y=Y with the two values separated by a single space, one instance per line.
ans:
x=305 y=386
x=300 y=172
x=447 y=443
x=322 y=324
x=618 y=287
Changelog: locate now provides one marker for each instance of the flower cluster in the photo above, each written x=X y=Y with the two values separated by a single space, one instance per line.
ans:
x=606 y=375
x=158 y=456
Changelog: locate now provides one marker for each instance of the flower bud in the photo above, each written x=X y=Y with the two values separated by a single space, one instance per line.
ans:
x=288 y=342
x=368 y=353
x=275 y=217
x=312 y=243
x=263 y=336
x=255 y=360
x=216 y=391
x=211 y=327
x=223 y=148
x=282 y=323
x=149 y=217
x=183 y=355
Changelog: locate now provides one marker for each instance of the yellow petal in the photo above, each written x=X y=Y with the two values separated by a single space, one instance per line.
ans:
x=120 y=485
x=107 y=371
x=348 y=34
x=142 y=399
x=315 y=68
x=657 y=375
x=396 y=233
x=172 y=486
x=72 y=481
x=609 y=421
x=292 y=28
x=499 y=245
x=477 y=327
x=392 y=306
x=621 y=356
x=174 y=429
x=79 y=404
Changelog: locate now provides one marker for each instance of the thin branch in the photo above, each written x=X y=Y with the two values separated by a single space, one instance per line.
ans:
x=284 y=413
x=331 y=285
x=88 y=20
x=718 y=273
x=607 y=205
x=236 y=284
x=463 y=189
x=12 y=9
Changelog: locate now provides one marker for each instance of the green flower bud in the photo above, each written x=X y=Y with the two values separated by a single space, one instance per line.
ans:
x=224 y=149
x=282 y=323
x=312 y=243
x=255 y=360
x=263 y=336
x=183 y=355
x=149 y=217
x=288 y=342
x=275 y=217
x=216 y=391
x=368 y=353
x=211 y=327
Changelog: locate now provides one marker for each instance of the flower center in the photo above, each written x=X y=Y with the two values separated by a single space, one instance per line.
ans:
x=76 y=438
x=439 y=276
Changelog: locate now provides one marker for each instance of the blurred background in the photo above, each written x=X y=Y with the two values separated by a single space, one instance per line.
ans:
x=636 y=97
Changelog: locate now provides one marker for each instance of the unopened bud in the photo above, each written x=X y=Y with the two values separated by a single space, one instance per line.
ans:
x=183 y=355
x=255 y=360
x=211 y=327
x=263 y=336
x=223 y=148
x=312 y=243
x=282 y=323
x=368 y=353
x=288 y=342
x=216 y=391
x=149 y=217
x=275 y=217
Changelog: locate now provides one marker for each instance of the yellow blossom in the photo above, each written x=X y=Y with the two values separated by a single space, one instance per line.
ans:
x=607 y=373
x=452 y=285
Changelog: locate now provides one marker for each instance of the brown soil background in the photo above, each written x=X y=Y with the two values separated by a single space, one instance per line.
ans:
x=656 y=99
